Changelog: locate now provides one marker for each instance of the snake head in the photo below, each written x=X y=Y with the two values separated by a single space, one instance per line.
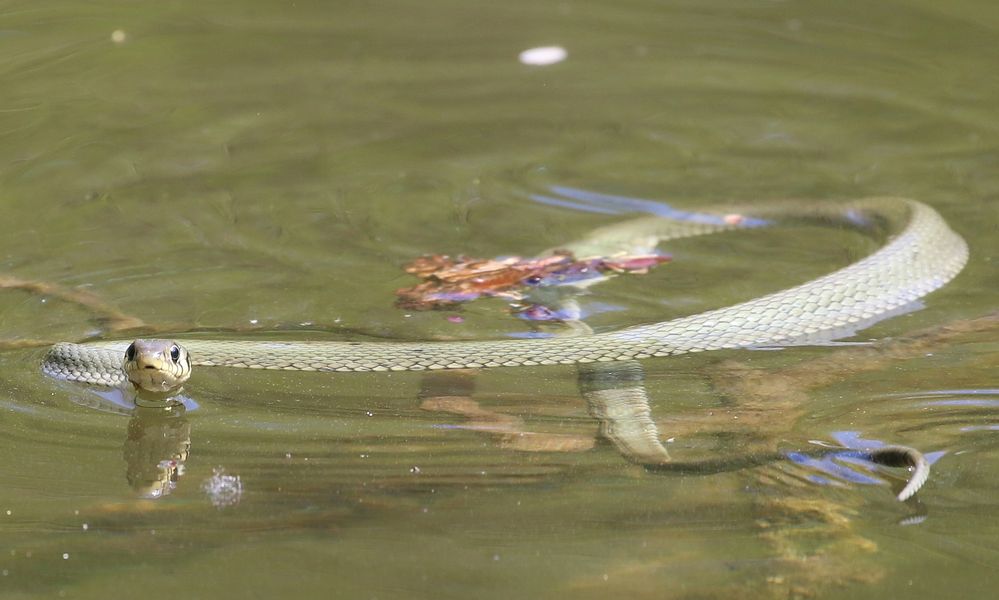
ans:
x=157 y=365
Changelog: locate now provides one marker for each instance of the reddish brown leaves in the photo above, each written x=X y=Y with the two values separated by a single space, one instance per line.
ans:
x=448 y=281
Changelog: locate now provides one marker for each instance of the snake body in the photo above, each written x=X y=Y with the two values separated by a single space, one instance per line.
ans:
x=920 y=255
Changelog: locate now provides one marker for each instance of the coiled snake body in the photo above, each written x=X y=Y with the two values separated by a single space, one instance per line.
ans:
x=921 y=254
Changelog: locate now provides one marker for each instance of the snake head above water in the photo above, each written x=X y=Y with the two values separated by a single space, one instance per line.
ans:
x=156 y=365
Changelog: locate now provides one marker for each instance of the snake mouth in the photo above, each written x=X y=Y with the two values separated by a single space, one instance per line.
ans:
x=154 y=381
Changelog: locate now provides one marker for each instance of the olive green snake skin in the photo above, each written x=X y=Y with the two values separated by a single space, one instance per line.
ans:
x=920 y=255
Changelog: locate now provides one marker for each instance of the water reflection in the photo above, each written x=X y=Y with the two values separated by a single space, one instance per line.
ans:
x=157 y=445
x=617 y=398
x=158 y=435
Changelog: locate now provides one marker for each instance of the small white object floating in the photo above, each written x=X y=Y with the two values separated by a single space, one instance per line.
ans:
x=543 y=55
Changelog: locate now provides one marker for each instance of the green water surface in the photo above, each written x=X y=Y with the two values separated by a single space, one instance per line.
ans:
x=270 y=166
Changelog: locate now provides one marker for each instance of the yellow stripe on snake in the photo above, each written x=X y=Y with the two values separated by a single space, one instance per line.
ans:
x=920 y=255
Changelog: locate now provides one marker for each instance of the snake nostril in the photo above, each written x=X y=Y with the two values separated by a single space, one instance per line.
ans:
x=150 y=367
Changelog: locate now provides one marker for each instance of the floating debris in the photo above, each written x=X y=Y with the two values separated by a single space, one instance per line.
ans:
x=449 y=281
x=543 y=56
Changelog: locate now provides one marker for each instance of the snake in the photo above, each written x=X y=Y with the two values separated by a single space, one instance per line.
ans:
x=919 y=253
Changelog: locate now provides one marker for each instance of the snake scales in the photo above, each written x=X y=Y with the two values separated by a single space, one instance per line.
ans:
x=920 y=255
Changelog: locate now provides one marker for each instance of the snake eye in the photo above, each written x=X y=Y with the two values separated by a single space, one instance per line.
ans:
x=175 y=353
x=130 y=352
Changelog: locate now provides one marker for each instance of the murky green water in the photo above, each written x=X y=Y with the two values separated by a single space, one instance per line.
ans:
x=272 y=166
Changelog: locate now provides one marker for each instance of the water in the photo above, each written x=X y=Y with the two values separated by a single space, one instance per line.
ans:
x=271 y=166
